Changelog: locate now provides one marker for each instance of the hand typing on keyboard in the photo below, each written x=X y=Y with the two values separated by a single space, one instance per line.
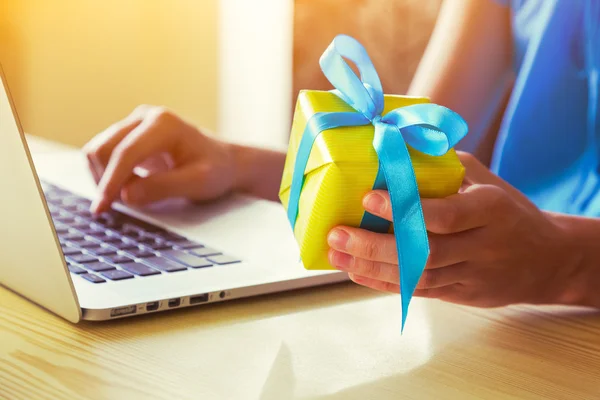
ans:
x=179 y=159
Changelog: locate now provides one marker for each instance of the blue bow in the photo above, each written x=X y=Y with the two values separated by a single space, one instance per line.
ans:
x=429 y=128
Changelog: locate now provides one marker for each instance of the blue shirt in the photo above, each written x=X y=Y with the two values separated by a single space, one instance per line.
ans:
x=548 y=145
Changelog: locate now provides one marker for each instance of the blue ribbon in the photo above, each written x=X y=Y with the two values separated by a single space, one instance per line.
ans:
x=429 y=128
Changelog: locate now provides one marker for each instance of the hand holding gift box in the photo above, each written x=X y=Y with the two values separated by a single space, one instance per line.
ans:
x=354 y=139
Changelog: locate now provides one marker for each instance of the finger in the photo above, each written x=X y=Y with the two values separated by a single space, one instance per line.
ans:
x=377 y=202
x=446 y=250
x=99 y=149
x=461 y=211
x=475 y=171
x=475 y=207
x=364 y=244
x=472 y=207
x=93 y=168
x=375 y=284
x=154 y=164
x=431 y=278
x=436 y=278
x=179 y=182
x=144 y=141
x=372 y=269
x=443 y=293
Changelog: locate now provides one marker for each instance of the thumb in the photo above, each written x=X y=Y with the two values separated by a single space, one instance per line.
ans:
x=184 y=182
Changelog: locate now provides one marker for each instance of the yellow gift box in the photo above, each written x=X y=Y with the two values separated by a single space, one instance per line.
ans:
x=341 y=169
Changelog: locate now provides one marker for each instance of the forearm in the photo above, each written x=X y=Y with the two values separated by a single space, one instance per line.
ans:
x=258 y=171
x=467 y=64
x=582 y=239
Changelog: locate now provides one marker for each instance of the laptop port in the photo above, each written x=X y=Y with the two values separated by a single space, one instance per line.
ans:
x=152 y=306
x=117 y=312
x=203 y=298
x=174 y=303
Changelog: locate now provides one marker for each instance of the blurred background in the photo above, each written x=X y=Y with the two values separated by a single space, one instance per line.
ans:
x=232 y=66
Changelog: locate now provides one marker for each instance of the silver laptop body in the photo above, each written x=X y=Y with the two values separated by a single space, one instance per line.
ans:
x=244 y=246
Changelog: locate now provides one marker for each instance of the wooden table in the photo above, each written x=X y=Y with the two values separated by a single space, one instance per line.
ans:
x=335 y=342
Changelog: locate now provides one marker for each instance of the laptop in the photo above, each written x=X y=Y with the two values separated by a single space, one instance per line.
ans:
x=130 y=262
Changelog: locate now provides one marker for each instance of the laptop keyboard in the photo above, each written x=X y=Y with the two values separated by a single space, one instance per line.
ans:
x=115 y=247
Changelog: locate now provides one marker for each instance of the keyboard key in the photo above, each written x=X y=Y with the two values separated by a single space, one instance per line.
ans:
x=87 y=230
x=131 y=229
x=170 y=236
x=68 y=250
x=154 y=244
x=101 y=251
x=71 y=236
x=139 y=269
x=204 y=251
x=85 y=203
x=223 y=259
x=67 y=199
x=76 y=269
x=139 y=253
x=65 y=219
x=117 y=259
x=121 y=245
x=145 y=240
x=71 y=207
x=164 y=264
x=187 y=244
x=97 y=226
x=82 y=258
x=80 y=226
x=103 y=237
x=92 y=278
x=83 y=211
x=103 y=218
x=99 y=266
x=111 y=238
x=110 y=220
x=159 y=245
x=86 y=244
x=125 y=245
x=185 y=258
x=61 y=228
x=116 y=275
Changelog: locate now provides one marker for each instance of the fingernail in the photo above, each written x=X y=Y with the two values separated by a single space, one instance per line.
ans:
x=341 y=261
x=338 y=239
x=375 y=203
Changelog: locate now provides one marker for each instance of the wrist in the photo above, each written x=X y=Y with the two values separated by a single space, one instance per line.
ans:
x=578 y=282
x=242 y=167
x=257 y=171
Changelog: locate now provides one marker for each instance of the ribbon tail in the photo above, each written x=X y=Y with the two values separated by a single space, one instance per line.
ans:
x=409 y=225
